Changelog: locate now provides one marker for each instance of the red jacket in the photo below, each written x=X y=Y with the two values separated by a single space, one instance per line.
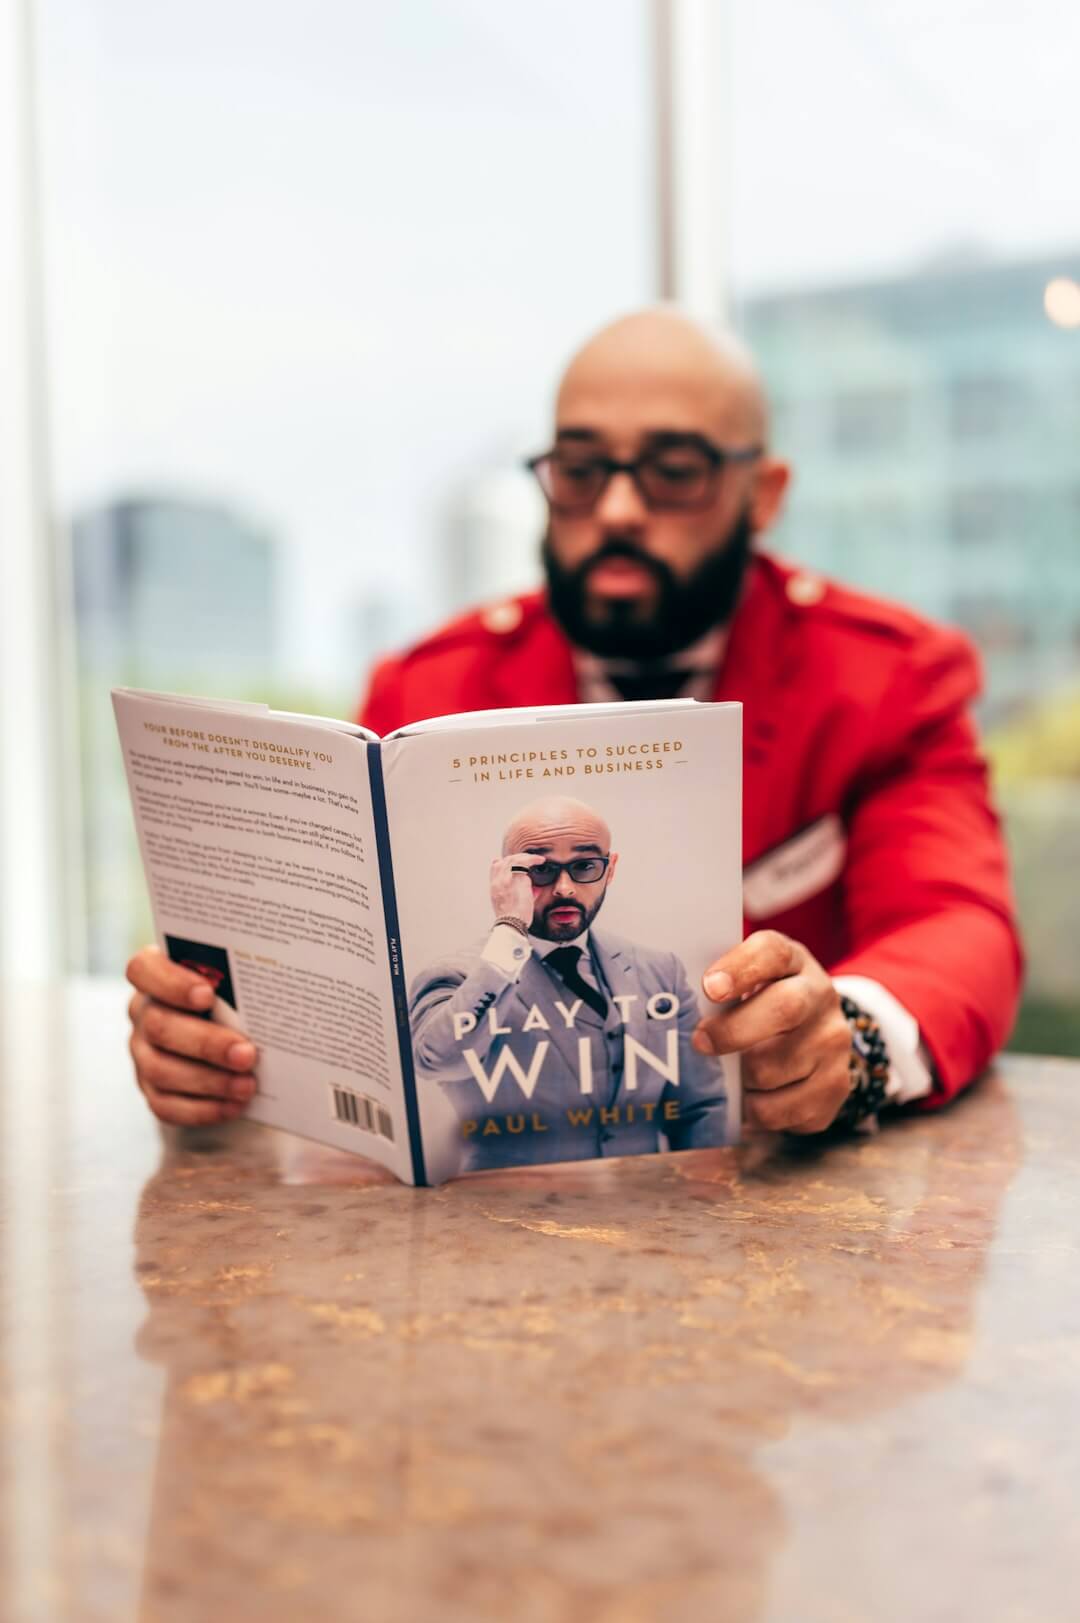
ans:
x=852 y=706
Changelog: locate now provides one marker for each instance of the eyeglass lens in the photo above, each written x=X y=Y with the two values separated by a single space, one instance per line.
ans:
x=583 y=871
x=672 y=476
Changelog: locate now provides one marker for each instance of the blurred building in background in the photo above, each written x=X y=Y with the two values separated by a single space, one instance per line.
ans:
x=377 y=621
x=493 y=523
x=168 y=586
x=933 y=422
x=170 y=593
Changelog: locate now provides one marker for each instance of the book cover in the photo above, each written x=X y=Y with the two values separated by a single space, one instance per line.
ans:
x=475 y=944
x=607 y=841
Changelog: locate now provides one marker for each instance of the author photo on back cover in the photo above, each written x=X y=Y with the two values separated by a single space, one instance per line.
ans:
x=553 y=1038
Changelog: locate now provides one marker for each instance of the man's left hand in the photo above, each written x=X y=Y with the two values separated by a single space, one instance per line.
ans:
x=781 y=1013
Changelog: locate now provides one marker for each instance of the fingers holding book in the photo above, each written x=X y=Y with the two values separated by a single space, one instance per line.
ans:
x=782 y=1014
x=191 y=1071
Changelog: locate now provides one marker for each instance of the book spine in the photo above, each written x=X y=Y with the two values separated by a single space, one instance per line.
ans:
x=399 y=984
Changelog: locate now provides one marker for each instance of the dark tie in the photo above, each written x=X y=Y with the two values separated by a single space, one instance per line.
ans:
x=650 y=682
x=564 y=961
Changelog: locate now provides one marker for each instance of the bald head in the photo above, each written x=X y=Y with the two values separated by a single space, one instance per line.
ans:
x=578 y=864
x=678 y=373
x=658 y=485
x=557 y=819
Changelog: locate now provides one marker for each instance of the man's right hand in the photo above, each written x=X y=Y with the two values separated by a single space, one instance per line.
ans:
x=191 y=1071
x=511 y=888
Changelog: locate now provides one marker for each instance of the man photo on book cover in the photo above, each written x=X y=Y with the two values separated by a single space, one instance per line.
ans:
x=555 y=1039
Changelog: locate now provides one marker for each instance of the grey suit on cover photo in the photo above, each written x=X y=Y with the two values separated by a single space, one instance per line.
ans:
x=615 y=1117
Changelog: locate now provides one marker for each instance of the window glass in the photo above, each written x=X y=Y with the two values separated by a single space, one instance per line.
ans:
x=906 y=258
x=311 y=276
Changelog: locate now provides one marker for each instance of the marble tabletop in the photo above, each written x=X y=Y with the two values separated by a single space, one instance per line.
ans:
x=244 y=1377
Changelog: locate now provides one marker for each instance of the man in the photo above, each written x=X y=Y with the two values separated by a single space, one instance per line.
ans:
x=554 y=1041
x=883 y=962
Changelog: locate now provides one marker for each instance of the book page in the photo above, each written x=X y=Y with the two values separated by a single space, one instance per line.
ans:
x=259 y=846
x=567 y=1037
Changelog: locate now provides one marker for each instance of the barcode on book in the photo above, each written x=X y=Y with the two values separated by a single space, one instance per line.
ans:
x=357 y=1110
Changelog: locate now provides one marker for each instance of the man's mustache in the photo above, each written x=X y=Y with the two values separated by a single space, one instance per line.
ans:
x=628 y=552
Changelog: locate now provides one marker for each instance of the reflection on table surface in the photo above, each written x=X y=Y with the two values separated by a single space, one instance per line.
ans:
x=246 y=1376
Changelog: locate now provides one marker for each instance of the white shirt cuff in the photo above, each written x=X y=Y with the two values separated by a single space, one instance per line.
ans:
x=508 y=950
x=910 y=1076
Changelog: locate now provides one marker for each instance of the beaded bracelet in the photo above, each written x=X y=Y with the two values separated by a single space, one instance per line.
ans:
x=868 y=1065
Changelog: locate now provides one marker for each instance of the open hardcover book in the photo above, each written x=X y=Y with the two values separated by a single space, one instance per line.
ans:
x=476 y=943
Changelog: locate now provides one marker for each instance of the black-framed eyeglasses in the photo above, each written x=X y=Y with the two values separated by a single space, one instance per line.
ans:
x=677 y=475
x=582 y=870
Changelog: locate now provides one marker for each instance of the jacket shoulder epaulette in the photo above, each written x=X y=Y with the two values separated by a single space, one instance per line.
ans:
x=829 y=604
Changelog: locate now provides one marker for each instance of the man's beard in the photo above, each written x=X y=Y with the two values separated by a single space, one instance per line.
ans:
x=683 y=612
x=564 y=932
